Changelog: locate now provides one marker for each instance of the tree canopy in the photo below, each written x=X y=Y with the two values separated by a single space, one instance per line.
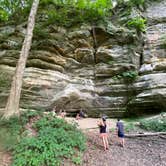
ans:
x=12 y=8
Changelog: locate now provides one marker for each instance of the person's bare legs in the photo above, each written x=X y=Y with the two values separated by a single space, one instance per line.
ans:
x=122 y=142
x=106 y=140
x=119 y=141
x=104 y=143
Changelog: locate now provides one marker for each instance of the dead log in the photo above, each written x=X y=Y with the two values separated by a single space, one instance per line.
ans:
x=144 y=134
x=163 y=137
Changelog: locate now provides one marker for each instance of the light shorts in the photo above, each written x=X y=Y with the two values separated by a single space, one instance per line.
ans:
x=103 y=135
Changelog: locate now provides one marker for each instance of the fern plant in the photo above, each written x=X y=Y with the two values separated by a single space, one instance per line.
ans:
x=138 y=23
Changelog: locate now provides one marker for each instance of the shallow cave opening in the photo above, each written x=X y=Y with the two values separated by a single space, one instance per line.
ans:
x=144 y=110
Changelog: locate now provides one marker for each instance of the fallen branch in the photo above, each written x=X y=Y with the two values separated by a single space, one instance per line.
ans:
x=163 y=137
x=144 y=134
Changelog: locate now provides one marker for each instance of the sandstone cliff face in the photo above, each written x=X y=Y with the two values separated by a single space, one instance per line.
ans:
x=152 y=79
x=90 y=67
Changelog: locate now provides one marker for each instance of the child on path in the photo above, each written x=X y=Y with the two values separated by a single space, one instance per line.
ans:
x=103 y=133
x=120 y=131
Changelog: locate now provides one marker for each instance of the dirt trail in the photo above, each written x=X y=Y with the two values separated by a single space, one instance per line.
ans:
x=91 y=123
x=5 y=158
x=146 y=151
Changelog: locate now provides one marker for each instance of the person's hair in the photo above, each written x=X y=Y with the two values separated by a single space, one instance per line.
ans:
x=118 y=119
x=104 y=119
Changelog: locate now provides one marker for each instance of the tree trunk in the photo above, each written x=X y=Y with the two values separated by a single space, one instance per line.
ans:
x=12 y=106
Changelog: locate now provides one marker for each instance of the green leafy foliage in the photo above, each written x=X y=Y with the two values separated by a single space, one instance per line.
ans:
x=128 y=76
x=15 y=8
x=138 y=23
x=67 y=13
x=137 y=2
x=77 y=160
x=12 y=129
x=131 y=3
x=154 y=124
x=40 y=32
x=3 y=15
x=56 y=140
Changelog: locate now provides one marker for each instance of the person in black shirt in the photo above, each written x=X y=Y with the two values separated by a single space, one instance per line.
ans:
x=103 y=133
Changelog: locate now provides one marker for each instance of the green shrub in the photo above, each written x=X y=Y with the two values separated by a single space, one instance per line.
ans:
x=138 y=23
x=40 y=32
x=13 y=128
x=128 y=76
x=77 y=160
x=137 y=2
x=17 y=9
x=72 y=12
x=56 y=140
x=3 y=15
x=154 y=124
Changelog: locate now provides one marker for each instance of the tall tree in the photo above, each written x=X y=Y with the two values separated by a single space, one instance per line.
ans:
x=12 y=106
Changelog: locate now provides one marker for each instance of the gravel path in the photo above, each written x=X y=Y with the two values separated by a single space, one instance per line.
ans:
x=138 y=151
x=146 y=151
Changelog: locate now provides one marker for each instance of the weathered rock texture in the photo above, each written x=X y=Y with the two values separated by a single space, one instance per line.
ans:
x=152 y=81
x=86 y=67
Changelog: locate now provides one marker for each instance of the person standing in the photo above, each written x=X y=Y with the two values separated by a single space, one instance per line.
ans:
x=120 y=131
x=80 y=115
x=103 y=133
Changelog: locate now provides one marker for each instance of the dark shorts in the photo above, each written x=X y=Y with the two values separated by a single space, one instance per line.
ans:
x=121 y=135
